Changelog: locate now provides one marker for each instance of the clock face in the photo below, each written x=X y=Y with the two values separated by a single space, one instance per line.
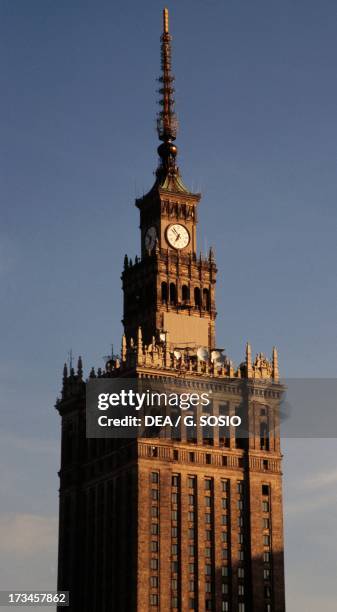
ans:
x=150 y=238
x=177 y=236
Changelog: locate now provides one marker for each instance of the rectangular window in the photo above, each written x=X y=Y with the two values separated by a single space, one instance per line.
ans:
x=191 y=517
x=241 y=555
x=174 y=532
x=174 y=515
x=208 y=569
x=208 y=535
x=208 y=605
x=191 y=586
x=240 y=538
x=191 y=457
x=191 y=500
x=154 y=582
x=154 y=494
x=224 y=503
x=224 y=536
x=265 y=523
x=240 y=521
x=240 y=504
x=224 y=553
x=191 y=482
x=154 y=564
x=174 y=584
x=224 y=588
x=208 y=461
x=241 y=572
x=208 y=587
x=224 y=486
x=266 y=574
x=153 y=600
x=240 y=487
x=241 y=590
x=224 y=606
x=154 y=528
x=207 y=551
x=174 y=567
x=241 y=607
x=208 y=484
x=154 y=546
x=191 y=533
x=191 y=603
x=154 y=511
x=191 y=550
x=155 y=477
x=207 y=518
x=266 y=540
x=175 y=455
x=265 y=489
x=175 y=480
x=174 y=498
x=174 y=602
x=174 y=549
x=224 y=519
x=207 y=501
x=266 y=557
x=265 y=506
x=224 y=571
x=191 y=568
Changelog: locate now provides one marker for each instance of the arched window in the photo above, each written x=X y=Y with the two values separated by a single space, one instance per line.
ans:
x=173 y=293
x=164 y=292
x=185 y=293
x=264 y=437
x=197 y=296
x=206 y=302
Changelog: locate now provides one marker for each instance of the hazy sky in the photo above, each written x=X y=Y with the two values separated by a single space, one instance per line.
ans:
x=256 y=99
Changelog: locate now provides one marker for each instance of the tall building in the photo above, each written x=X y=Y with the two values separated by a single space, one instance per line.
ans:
x=186 y=522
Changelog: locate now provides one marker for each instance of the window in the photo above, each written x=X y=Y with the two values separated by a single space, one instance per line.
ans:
x=175 y=480
x=173 y=293
x=191 y=457
x=241 y=572
x=154 y=494
x=265 y=464
x=241 y=607
x=191 y=500
x=208 y=458
x=268 y=607
x=191 y=603
x=206 y=300
x=153 y=600
x=240 y=504
x=240 y=538
x=265 y=506
x=174 y=532
x=197 y=296
x=175 y=455
x=154 y=545
x=174 y=498
x=174 y=602
x=241 y=555
x=224 y=503
x=155 y=477
x=191 y=568
x=174 y=584
x=191 y=585
x=240 y=487
x=224 y=519
x=266 y=574
x=224 y=571
x=266 y=557
x=266 y=540
x=265 y=489
x=224 y=553
x=191 y=533
x=154 y=582
x=191 y=550
x=240 y=521
x=185 y=293
x=174 y=515
x=208 y=535
x=174 y=567
x=224 y=486
x=154 y=511
x=174 y=549
x=208 y=484
x=265 y=523
x=224 y=536
x=208 y=569
x=207 y=501
x=241 y=590
x=191 y=482
x=208 y=587
x=207 y=518
x=208 y=605
x=164 y=292
x=224 y=588
x=267 y=591
x=191 y=516
x=224 y=606
x=207 y=551
x=154 y=528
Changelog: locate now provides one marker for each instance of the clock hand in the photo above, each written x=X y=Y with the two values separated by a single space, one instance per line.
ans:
x=177 y=238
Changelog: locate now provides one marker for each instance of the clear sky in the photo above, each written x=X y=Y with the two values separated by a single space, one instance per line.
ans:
x=256 y=99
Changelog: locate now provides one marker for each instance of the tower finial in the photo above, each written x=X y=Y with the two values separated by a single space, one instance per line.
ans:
x=167 y=123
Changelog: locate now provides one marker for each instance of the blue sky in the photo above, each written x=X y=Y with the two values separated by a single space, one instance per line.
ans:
x=256 y=99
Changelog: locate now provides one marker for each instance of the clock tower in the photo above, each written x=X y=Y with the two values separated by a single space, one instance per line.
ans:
x=170 y=290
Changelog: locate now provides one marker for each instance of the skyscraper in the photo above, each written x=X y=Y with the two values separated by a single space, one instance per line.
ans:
x=187 y=521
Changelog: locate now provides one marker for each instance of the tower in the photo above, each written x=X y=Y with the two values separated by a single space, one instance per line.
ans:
x=186 y=522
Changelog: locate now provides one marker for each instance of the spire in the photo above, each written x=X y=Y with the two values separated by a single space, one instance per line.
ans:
x=167 y=123
x=275 y=364
x=249 y=370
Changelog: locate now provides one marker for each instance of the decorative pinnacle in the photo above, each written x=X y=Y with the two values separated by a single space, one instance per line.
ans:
x=167 y=123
